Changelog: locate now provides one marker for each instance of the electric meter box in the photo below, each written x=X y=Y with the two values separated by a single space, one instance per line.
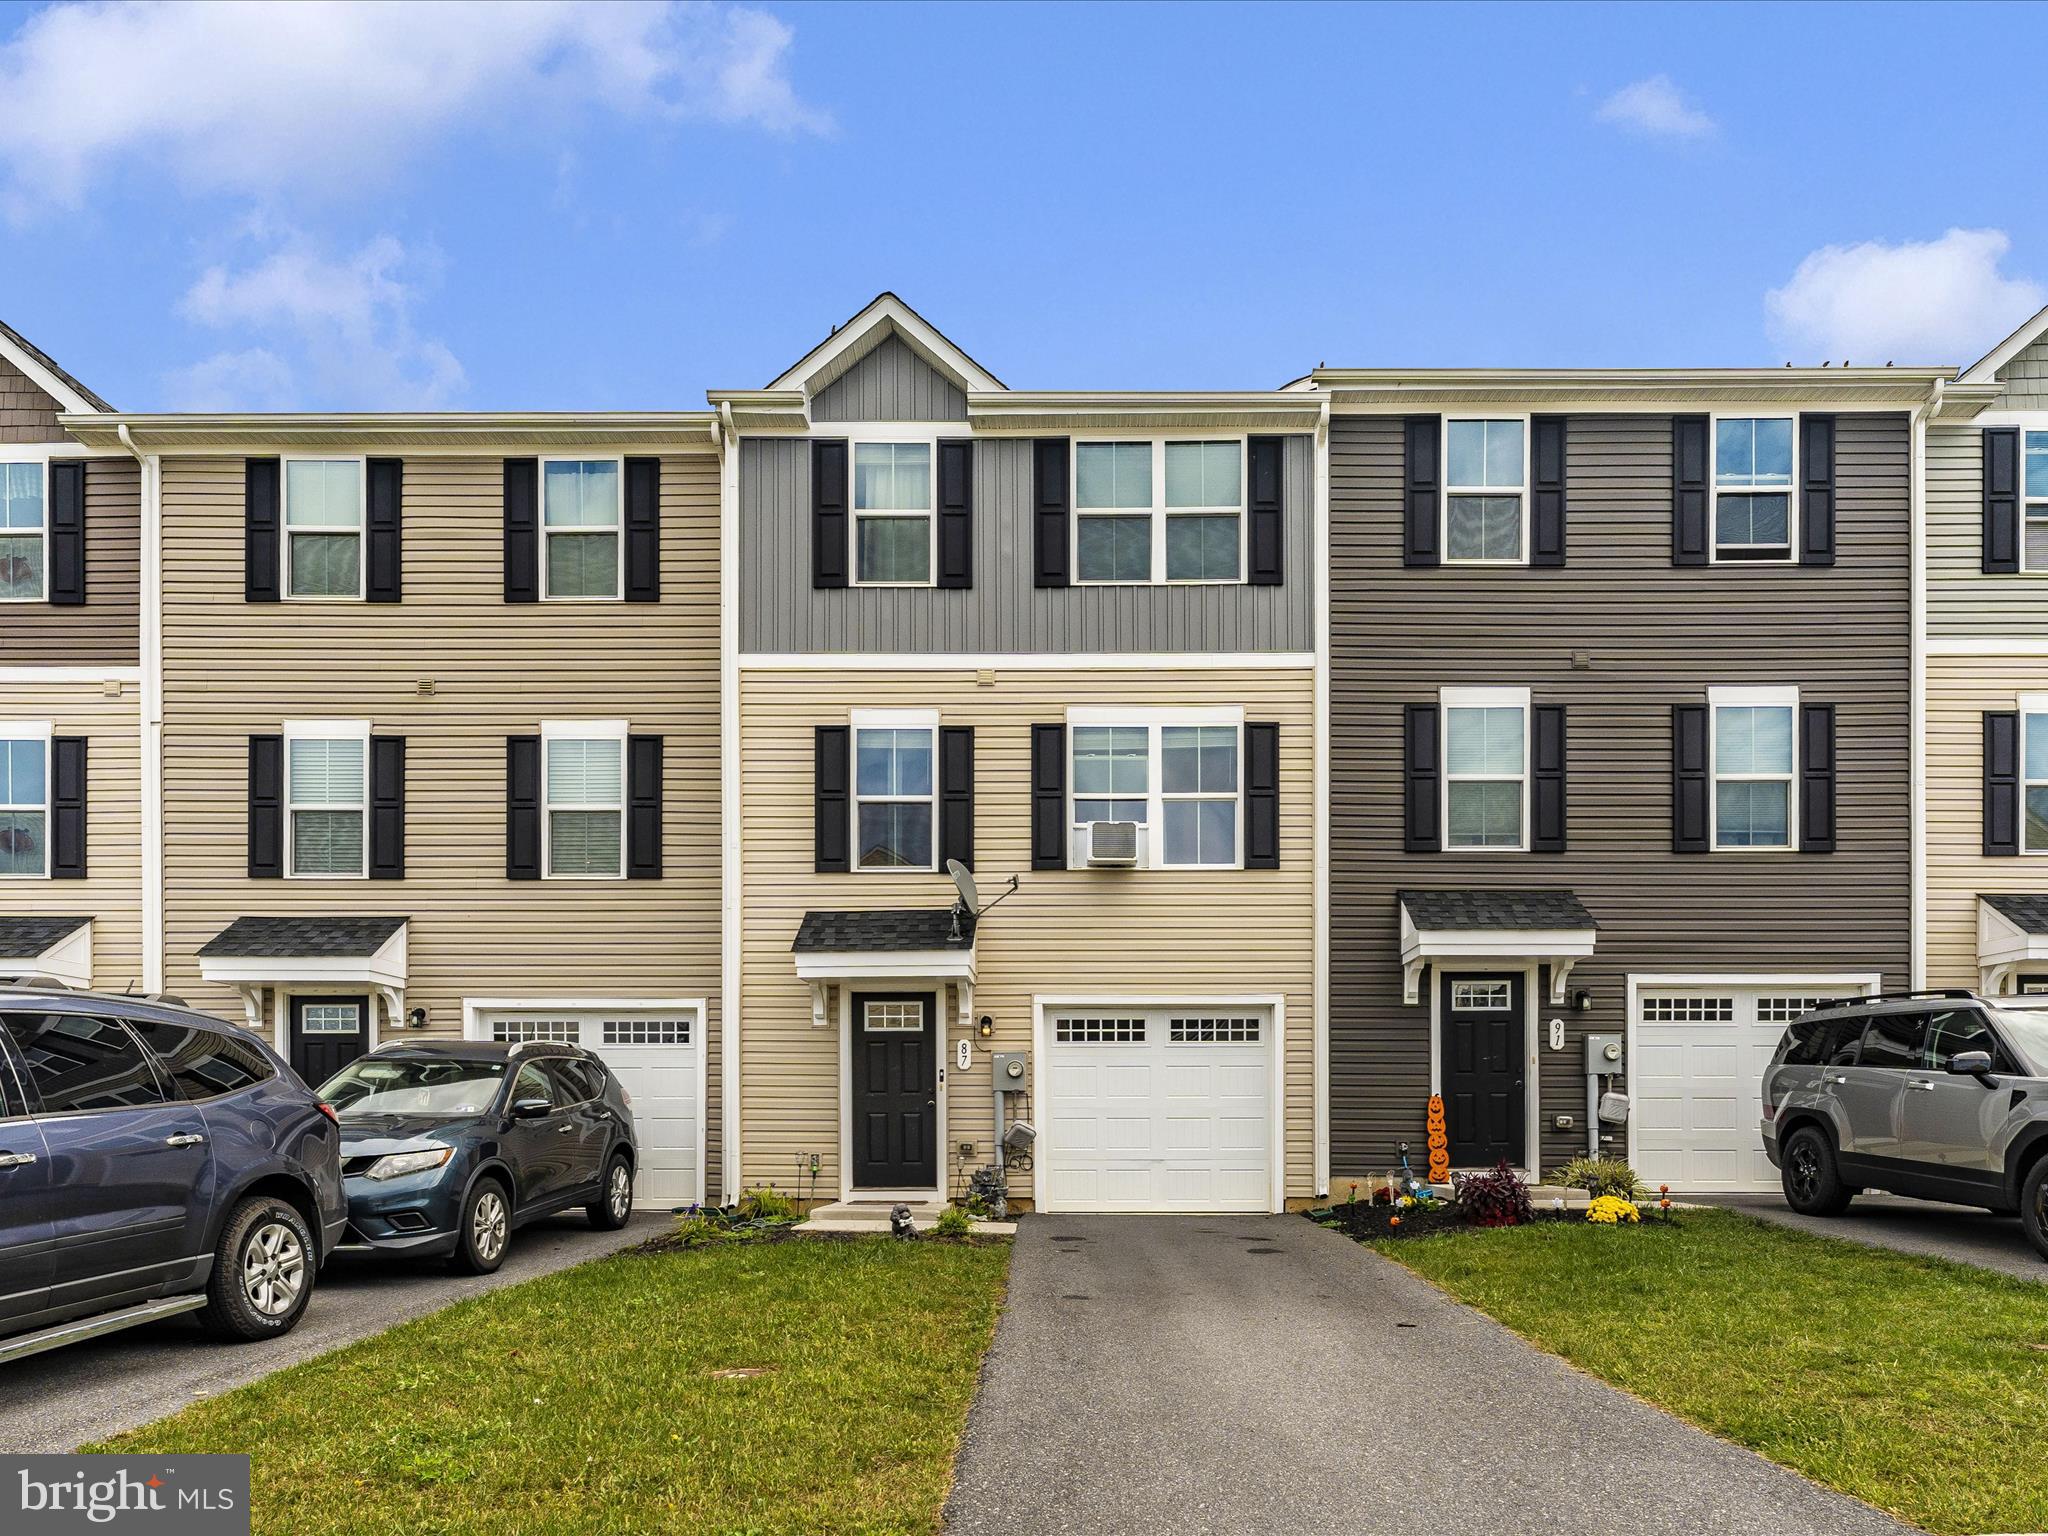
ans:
x=1012 y=1071
x=1603 y=1054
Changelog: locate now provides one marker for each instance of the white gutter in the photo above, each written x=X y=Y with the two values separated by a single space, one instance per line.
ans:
x=152 y=712
x=729 y=977
x=1320 y=902
x=1917 y=715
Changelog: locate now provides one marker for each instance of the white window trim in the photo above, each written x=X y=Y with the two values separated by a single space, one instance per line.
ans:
x=37 y=731
x=1792 y=518
x=894 y=720
x=1449 y=699
x=9 y=457
x=1153 y=721
x=1521 y=492
x=325 y=730
x=284 y=525
x=881 y=434
x=2027 y=429
x=1751 y=698
x=2029 y=704
x=1159 y=511
x=618 y=593
x=581 y=730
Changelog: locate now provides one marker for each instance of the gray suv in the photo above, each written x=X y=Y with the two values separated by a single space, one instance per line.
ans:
x=1941 y=1096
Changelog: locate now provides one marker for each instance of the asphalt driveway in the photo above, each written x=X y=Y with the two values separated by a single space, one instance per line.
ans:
x=1262 y=1374
x=1958 y=1232
x=68 y=1397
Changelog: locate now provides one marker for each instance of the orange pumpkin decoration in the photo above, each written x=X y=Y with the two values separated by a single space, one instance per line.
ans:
x=1439 y=1141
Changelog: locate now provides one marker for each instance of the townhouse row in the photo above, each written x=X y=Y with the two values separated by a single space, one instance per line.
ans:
x=1302 y=754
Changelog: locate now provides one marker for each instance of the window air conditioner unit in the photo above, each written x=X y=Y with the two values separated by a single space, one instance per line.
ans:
x=1109 y=844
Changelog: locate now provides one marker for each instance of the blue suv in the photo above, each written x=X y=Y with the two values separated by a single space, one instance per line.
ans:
x=154 y=1160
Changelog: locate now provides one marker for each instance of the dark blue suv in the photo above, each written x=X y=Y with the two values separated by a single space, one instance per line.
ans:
x=154 y=1160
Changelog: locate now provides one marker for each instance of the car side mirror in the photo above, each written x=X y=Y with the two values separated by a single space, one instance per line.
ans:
x=1975 y=1064
x=530 y=1109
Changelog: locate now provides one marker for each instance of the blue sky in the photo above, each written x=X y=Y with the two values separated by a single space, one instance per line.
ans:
x=561 y=207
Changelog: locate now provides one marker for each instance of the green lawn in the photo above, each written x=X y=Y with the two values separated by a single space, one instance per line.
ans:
x=1918 y=1385
x=586 y=1400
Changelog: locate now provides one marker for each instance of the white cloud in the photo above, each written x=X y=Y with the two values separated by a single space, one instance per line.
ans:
x=1919 y=301
x=253 y=98
x=1656 y=108
x=336 y=332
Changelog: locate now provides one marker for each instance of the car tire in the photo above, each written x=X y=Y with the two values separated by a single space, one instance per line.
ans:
x=484 y=1232
x=2034 y=1205
x=263 y=1270
x=1811 y=1175
x=613 y=1207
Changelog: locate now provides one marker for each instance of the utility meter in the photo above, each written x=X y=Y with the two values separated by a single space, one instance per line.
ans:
x=1012 y=1071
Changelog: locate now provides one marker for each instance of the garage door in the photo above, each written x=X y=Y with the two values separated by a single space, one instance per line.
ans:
x=1158 y=1109
x=654 y=1053
x=1700 y=1055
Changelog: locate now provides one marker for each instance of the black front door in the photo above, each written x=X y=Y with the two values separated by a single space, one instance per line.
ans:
x=327 y=1034
x=895 y=1091
x=1482 y=1032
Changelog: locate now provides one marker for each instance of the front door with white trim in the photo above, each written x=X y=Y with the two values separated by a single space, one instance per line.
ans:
x=895 y=1091
x=1482 y=1024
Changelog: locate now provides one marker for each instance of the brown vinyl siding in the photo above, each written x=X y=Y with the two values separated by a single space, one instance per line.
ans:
x=1653 y=635
x=27 y=415
x=106 y=629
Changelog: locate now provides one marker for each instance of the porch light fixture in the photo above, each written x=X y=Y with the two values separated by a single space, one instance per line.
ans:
x=416 y=1018
x=986 y=1027
x=1582 y=1001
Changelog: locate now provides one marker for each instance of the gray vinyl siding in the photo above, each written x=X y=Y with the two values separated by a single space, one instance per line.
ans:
x=891 y=383
x=1962 y=601
x=1003 y=611
x=1655 y=635
x=2025 y=379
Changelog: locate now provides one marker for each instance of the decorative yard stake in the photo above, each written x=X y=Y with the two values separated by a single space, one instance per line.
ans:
x=1439 y=1142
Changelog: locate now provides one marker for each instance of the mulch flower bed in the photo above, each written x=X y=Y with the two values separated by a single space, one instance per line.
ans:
x=1365 y=1221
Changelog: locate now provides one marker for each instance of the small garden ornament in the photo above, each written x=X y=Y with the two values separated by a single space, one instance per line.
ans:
x=1439 y=1141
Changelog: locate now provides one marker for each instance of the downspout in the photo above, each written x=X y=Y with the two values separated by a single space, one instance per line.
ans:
x=729 y=978
x=1320 y=882
x=152 y=711
x=1917 y=710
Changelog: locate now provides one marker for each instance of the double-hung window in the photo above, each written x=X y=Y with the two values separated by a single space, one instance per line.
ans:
x=323 y=527
x=1177 y=773
x=895 y=789
x=1146 y=508
x=583 y=797
x=327 y=793
x=2034 y=524
x=2034 y=772
x=24 y=800
x=1486 y=768
x=1754 y=751
x=1753 y=488
x=24 y=528
x=892 y=514
x=581 y=552
x=1486 y=481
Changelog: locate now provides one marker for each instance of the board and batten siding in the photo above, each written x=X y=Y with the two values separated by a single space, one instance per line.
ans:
x=1003 y=612
x=1191 y=933
x=495 y=669
x=111 y=892
x=890 y=383
x=1652 y=635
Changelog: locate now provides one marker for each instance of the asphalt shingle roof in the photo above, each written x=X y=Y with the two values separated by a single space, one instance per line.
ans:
x=2027 y=913
x=890 y=928
x=23 y=938
x=50 y=363
x=291 y=938
x=1530 y=910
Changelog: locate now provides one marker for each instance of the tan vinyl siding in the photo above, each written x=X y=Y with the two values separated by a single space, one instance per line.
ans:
x=1072 y=931
x=232 y=669
x=111 y=892
x=105 y=630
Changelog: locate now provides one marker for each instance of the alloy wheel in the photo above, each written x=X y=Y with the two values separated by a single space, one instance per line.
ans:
x=273 y=1268
x=487 y=1226
x=620 y=1194
x=1805 y=1171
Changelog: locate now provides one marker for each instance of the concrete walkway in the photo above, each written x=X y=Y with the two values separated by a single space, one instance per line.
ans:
x=1262 y=1374
x=1959 y=1232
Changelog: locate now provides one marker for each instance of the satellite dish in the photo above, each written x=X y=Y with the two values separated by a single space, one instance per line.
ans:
x=963 y=878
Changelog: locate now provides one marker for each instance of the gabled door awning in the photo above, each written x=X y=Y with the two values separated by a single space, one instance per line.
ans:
x=252 y=953
x=57 y=947
x=891 y=943
x=1484 y=927
x=2012 y=939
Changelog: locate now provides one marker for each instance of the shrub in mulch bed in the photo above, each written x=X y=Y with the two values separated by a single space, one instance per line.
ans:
x=1366 y=1222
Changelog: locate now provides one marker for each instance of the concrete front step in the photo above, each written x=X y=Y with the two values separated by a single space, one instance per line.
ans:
x=873 y=1216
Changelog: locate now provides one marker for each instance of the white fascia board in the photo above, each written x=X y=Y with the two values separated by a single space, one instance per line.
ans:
x=885 y=964
x=1518 y=944
x=385 y=968
x=1985 y=369
x=886 y=316
x=40 y=376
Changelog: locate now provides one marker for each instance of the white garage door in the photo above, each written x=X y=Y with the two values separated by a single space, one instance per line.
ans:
x=1700 y=1055
x=1158 y=1109
x=654 y=1053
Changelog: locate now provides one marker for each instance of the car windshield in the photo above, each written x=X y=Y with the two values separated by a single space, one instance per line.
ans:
x=2026 y=1028
x=401 y=1085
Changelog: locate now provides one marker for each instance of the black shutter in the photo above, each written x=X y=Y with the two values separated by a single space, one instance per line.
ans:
x=1049 y=527
x=1420 y=437
x=1816 y=490
x=643 y=807
x=1547 y=787
x=67 y=532
x=1546 y=490
x=956 y=794
x=828 y=513
x=67 y=807
x=831 y=799
x=1261 y=795
x=262 y=531
x=1690 y=787
x=522 y=542
x=2001 y=500
x=387 y=807
x=1049 y=797
x=1690 y=492
x=956 y=513
x=522 y=808
x=1816 y=778
x=643 y=530
x=1267 y=509
x=1420 y=779
x=384 y=570
x=2001 y=783
x=266 y=807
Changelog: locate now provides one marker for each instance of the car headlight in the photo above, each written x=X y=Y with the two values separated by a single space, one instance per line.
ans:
x=398 y=1164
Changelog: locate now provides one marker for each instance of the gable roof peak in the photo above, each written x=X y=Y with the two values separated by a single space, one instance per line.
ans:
x=1985 y=369
x=884 y=316
x=41 y=370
